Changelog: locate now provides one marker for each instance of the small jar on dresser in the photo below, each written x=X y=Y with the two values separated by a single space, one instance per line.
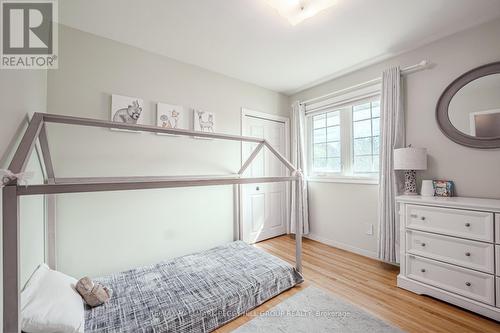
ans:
x=450 y=250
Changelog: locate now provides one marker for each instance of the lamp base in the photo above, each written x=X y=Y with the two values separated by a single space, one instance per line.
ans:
x=410 y=182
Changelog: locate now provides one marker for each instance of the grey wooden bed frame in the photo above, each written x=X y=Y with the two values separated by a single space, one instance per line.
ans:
x=12 y=192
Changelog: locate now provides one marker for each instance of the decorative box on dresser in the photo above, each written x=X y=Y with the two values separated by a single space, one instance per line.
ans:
x=450 y=250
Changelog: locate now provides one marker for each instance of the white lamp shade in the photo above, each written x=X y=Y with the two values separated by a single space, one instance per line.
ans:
x=410 y=159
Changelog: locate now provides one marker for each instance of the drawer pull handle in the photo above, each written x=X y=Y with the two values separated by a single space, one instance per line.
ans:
x=468 y=284
x=423 y=244
x=414 y=215
x=423 y=270
x=467 y=225
x=423 y=218
x=467 y=254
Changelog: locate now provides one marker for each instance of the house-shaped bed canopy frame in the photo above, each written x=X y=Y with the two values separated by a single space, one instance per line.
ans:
x=36 y=130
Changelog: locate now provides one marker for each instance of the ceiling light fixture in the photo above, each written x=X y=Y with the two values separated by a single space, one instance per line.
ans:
x=296 y=11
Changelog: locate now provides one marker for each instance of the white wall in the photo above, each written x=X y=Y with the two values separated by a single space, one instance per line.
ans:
x=474 y=171
x=22 y=92
x=107 y=232
x=342 y=214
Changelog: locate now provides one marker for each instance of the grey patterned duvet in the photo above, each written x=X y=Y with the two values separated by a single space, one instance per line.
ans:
x=194 y=293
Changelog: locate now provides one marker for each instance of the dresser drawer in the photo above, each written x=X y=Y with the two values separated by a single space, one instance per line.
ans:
x=498 y=292
x=457 y=251
x=453 y=222
x=497 y=228
x=497 y=256
x=471 y=284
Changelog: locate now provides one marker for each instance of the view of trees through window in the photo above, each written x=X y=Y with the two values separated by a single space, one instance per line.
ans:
x=346 y=141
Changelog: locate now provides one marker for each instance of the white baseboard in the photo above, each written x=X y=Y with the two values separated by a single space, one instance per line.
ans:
x=342 y=246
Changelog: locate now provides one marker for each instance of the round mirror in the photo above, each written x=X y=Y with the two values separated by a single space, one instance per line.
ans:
x=468 y=111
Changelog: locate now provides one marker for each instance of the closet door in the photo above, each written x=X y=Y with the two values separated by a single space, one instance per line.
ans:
x=264 y=208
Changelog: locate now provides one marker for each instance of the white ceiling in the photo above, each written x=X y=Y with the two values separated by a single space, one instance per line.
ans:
x=248 y=40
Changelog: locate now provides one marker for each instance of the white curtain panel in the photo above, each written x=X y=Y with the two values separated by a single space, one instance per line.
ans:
x=299 y=160
x=392 y=137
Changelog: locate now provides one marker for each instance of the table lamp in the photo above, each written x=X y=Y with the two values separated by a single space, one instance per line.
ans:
x=410 y=160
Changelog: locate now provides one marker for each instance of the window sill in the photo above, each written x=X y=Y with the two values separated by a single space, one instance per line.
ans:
x=345 y=180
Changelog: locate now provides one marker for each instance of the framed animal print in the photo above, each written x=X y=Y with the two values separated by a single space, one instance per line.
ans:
x=126 y=110
x=203 y=121
x=170 y=116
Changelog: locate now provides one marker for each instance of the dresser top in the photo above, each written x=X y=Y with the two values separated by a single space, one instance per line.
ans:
x=455 y=202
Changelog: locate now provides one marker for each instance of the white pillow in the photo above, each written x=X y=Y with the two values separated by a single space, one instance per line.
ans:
x=50 y=303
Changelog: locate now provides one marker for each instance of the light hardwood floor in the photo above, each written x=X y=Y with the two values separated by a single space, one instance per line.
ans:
x=370 y=285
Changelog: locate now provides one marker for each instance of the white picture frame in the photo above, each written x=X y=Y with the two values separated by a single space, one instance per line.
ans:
x=171 y=116
x=203 y=121
x=128 y=110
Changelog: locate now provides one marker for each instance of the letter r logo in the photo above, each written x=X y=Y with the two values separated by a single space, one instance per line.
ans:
x=27 y=27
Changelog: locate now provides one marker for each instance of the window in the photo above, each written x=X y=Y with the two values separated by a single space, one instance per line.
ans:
x=344 y=142
x=326 y=142
x=366 y=137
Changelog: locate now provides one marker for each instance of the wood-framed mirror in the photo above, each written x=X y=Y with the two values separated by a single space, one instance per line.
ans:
x=468 y=111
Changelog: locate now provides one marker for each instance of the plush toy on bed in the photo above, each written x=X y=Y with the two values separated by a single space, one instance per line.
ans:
x=93 y=293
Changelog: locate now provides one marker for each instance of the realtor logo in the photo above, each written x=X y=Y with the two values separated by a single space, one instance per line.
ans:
x=29 y=34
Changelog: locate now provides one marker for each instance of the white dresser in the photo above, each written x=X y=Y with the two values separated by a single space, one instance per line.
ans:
x=450 y=250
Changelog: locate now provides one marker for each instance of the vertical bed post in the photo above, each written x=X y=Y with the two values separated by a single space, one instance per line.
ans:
x=298 y=225
x=50 y=229
x=236 y=212
x=50 y=200
x=298 y=210
x=11 y=265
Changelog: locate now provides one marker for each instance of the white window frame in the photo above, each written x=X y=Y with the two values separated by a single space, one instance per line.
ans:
x=343 y=104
